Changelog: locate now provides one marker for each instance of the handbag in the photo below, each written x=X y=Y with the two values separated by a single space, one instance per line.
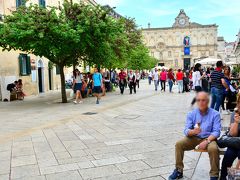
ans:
x=234 y=173
x=228 y=141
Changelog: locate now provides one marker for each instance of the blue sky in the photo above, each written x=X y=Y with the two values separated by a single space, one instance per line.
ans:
x=161 y=13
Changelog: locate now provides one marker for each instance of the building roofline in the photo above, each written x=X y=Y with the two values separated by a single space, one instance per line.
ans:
x=186 y=27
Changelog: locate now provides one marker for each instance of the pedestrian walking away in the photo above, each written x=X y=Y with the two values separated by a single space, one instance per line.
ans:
x=171 y=79
x=97 y=85
x=179 y=77
x=122 y=80
x=150 y=75
x=132 y=82
x=138 y=77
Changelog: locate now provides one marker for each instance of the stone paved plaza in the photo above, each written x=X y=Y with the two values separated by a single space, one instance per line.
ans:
x=125 y=137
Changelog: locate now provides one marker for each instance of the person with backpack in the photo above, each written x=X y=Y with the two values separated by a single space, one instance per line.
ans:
x=97 y=85
x=12 y=87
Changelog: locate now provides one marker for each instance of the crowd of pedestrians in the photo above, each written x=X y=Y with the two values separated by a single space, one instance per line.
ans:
x=98 y=83
x=216 y=81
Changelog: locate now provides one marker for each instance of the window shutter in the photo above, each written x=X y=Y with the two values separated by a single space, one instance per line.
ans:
x=20 y=65
x=28 y=65
x=57 y=70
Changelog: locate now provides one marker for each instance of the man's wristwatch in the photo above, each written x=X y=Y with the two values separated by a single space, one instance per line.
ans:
x=208 y=141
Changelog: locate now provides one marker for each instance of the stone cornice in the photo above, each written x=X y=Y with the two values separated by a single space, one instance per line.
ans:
x=181 y=28
x=193 y=46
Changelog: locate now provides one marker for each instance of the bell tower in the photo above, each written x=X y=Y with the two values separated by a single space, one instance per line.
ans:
x=181 y=20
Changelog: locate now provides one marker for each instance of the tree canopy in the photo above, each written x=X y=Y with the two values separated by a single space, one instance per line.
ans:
x=73 y=32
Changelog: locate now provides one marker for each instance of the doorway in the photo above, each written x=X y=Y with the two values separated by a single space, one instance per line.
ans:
x=40 y=77
x=50 y=78
x=187 y=63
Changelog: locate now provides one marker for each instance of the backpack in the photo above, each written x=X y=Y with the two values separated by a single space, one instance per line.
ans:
x=10 y=87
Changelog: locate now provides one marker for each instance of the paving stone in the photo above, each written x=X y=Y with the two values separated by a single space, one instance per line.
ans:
x=155 y=178
x=134 y=157
x=98 y=172
x=77 y=153
x=132 y=166
x=124 y=141
x=70 y=175
x=4 y=176
x=85 y=165
x=25 y=151
x=32 y=178
x=75 y=160
x=62 y=155
x=74 y=145
x=59 y=168
x=4 y=167
x=24 y=171
x=114 y=160
x=23 y=160
x=5 y=156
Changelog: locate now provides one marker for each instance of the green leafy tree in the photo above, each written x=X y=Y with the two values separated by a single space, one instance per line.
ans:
x=64 y=36
x=140 y=59
x=43 y=32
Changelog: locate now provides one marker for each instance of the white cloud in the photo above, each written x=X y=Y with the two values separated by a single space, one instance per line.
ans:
x=220 y=8
x=112 y=3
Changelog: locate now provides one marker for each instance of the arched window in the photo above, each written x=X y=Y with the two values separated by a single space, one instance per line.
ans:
x=42 y=3
x=20 y=3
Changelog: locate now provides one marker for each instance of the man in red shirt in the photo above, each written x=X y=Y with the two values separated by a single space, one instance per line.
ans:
x=163 y=78
x=179 y=77
x=122 y=80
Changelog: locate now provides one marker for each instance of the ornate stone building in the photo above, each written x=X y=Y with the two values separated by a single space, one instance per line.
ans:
x=180 y=45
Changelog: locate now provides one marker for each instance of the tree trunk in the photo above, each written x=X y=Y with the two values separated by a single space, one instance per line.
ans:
x=63 y=84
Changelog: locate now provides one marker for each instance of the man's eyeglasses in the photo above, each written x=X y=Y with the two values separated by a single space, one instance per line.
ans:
x=201 y=100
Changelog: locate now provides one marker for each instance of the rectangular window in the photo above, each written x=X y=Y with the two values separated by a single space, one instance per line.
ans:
x=169 y=54
x=24 y=65
x=211 y=53
x=42 y=3
x=20 y=3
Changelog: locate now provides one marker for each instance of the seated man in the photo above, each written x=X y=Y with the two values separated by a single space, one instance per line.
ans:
x=203 y=127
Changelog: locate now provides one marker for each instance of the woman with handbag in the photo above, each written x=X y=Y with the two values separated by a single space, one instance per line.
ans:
x=232 y=153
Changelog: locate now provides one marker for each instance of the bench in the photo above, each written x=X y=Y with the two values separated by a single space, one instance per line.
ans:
x=221 y=152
